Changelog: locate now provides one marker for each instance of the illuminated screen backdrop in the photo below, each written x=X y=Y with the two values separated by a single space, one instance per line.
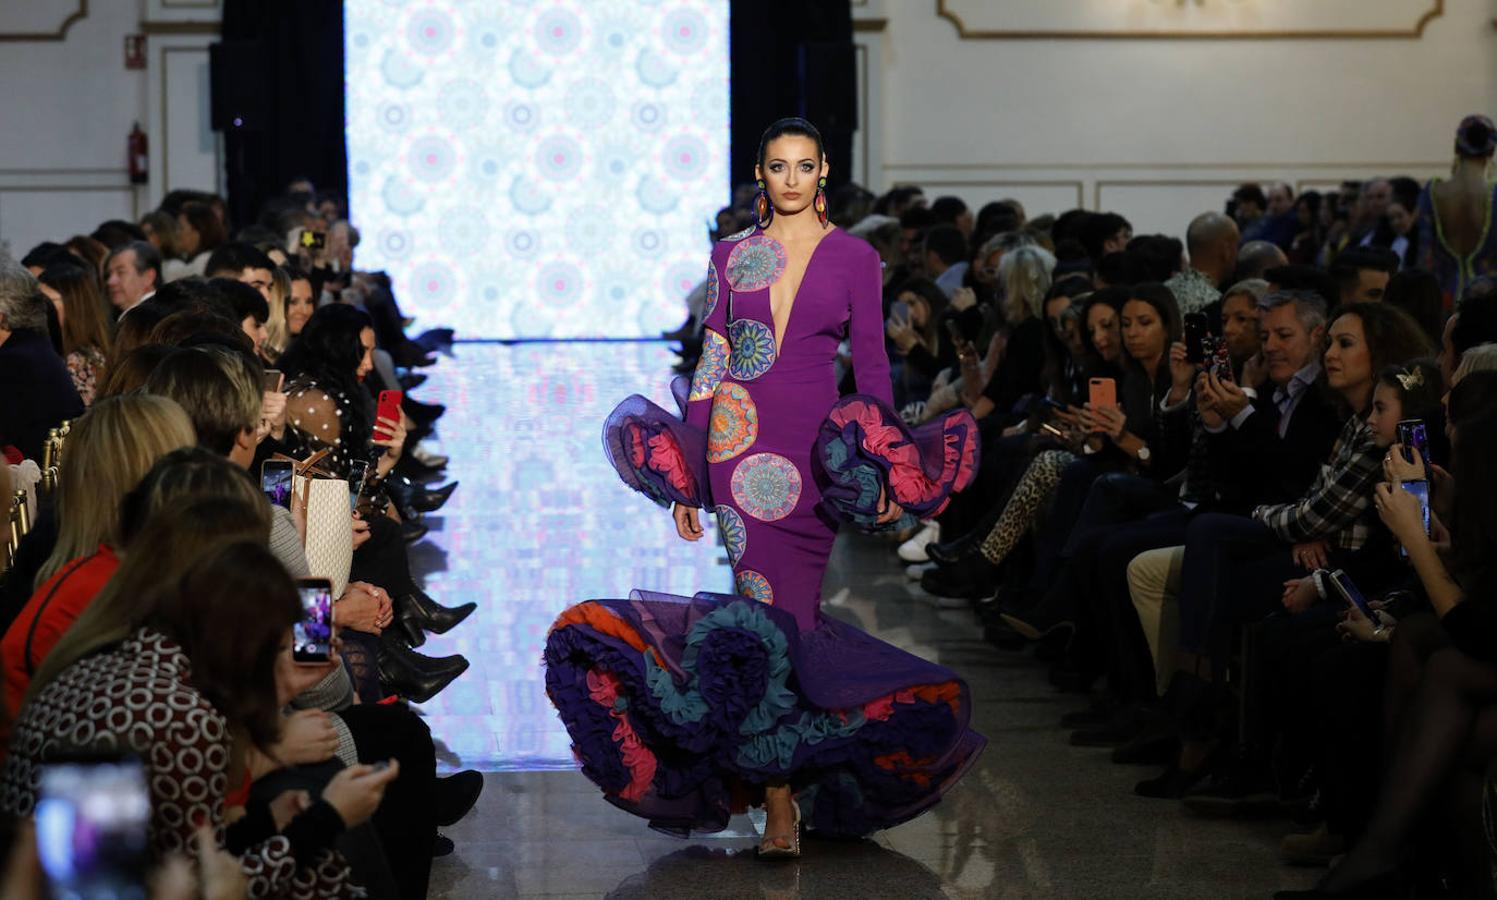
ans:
x=542 y=169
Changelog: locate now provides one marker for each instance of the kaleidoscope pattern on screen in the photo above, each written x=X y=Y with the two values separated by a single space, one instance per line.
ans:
x=538 y=168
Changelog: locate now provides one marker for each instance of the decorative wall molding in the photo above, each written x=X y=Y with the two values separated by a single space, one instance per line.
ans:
x=1075 y=184
x=1199 y=20
x=72 y=13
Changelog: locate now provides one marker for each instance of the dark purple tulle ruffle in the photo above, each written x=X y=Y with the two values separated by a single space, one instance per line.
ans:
x=657 y=453
x=680 y=707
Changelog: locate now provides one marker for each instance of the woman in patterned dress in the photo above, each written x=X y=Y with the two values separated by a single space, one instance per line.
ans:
x=825 y=721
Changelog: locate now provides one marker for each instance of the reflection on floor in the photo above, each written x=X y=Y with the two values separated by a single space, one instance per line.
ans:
x=541 y=521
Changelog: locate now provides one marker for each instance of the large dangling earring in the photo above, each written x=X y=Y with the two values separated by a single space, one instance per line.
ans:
x=763 y=211
x=821 y=201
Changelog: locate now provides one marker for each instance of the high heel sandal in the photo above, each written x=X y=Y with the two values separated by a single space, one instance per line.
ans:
x=767 y=847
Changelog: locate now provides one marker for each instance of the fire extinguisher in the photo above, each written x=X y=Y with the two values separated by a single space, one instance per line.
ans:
x=135 y=149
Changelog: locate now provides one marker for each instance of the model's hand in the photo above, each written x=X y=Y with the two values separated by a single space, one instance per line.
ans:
x=891 y=512
x=688 y=526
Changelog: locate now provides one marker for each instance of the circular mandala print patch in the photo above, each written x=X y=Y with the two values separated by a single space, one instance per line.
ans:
x=712 y=366
x=711 y=303
x=755 y=264
x=766 y=486
x=752 y=350
x=735 y=536
x=734 y=424
x=754 y=586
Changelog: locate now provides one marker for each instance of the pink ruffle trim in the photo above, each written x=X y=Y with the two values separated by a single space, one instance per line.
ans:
x=663 y=457
x=604 y=690
x=907 y=478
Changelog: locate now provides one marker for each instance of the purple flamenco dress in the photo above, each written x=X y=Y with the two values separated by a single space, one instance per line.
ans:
x=682 y=708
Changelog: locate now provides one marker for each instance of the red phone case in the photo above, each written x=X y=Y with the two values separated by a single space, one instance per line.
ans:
x=389 y=408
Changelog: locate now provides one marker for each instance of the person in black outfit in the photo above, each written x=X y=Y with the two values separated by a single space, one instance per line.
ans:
x=38 y=392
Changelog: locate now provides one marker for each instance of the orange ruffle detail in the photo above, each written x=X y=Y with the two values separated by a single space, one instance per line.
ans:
x=599 y=619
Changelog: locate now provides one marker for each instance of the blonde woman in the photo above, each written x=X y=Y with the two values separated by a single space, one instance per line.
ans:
x=277 y=334
x=108 y=451
x=1024 y=273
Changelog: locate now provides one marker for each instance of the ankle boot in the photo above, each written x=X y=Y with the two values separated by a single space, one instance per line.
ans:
x=418 y=683
x=428 y=614
x=392 y=643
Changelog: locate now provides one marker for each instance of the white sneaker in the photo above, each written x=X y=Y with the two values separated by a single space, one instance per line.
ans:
x=913 y=550
x=914 y=571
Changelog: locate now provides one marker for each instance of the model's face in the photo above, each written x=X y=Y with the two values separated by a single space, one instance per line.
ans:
x=1102 y=325
x=1287 y=346
x=1143 y=331
x=366 y=362
x=1387 y=410
x=1400 y=219
x=299 y=307
x=791 y=169
x=1240 y=325
x=1348 y=359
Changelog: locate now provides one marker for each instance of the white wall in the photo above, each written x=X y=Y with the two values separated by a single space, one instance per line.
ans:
x=1162 y=129
x=68 y=103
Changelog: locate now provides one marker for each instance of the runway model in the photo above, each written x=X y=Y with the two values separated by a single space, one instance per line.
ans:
x=685 y=710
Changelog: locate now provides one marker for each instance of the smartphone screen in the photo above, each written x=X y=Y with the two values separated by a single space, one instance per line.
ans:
x=899 y=311
x=275 y=481
x=1414 y=436
x=1420 y=490
x=1197 y=333
x=1349 y=592
x=312 y=635
x=91 y=827
x=389 y=408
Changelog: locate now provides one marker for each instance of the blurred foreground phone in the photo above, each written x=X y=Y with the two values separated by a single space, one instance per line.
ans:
x=1197 y=338
x=312 y=635
x=314 y=240
x=92 y=814
x=1102 y=392
x=1352 y=596
x=358 y=475
x=389 y=408
x=1420 y=490
x=275 y=481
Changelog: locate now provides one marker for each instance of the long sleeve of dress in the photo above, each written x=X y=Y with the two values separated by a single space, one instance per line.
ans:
x=870 y=359
x=713 y=362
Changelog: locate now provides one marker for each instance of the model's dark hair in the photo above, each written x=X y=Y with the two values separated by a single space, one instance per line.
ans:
x=793 y=125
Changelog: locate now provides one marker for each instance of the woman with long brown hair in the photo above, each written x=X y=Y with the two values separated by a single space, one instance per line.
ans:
x=81 y=311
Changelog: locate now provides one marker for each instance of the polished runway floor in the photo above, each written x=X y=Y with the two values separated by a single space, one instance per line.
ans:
x=541 y=521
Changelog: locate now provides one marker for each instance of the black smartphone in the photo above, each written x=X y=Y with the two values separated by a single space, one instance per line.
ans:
x=312 y=635
x=1413 y=435
x=1353 y=597
x=1053 y=405
x=92 y=816
x=275 y=481
x=1420 y=490
x=358 y=476
x=1197 y=335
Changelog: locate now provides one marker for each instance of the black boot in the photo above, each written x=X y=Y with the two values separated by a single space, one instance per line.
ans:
x=970 y=579
x=454 y=795
x=428 y=614
x=415 y=677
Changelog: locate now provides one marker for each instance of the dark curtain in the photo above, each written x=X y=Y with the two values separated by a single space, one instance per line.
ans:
x=291 y=56
x=792 y=58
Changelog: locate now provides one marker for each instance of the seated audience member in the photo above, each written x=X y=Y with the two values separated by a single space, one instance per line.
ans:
x=242 y=262
x=1417 y=293
x=1474 y=323
x=1103 y=233
x=276 y=334
x=1211 y=240
x=38 y=392
x=1162 y=256
x=1362 y=273
x=130 y=373
x=109 y=449
x=1025 y=276
x=1278 y=222
x=74 y=292
x=1441 y=739
x=251 y=310
x=205 y=653
x=199 y=232
x=952 y=211
x=1234 y=564
x=160 y=228
x=1456 y=241
x=945 y=257
x=132 y=275
x=919 y=335
x=47 y=253
x=1255 y=258
x=301 y=302
x=117 y=232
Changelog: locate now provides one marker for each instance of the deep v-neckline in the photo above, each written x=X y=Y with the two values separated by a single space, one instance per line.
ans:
x=779 y=336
